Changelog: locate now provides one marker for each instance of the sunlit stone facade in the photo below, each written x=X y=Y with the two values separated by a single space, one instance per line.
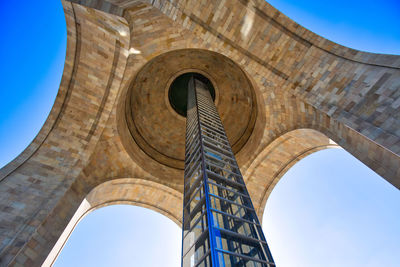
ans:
x=282 y=92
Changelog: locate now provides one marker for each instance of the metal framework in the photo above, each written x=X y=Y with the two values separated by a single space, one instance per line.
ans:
x=220 y=226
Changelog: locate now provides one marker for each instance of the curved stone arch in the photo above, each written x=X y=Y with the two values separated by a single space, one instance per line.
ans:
x=262 y=10
x=155 y=196
x=131 y=191
x=332 y=105
x=277 y=158
x=64 y=144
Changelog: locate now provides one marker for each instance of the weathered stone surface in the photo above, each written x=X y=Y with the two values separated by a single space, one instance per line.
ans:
x=305 y=90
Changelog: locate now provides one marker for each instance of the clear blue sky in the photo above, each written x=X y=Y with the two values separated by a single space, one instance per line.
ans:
x=32 y=54
x=367 y=25
x=319 y=214
x=331 y=210
x=123 y=235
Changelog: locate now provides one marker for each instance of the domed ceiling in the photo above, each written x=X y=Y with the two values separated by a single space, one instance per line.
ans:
x=159 y=130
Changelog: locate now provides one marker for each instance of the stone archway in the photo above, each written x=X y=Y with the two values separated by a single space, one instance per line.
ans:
x=131 y=191
x=300 y=80
x=277 y=158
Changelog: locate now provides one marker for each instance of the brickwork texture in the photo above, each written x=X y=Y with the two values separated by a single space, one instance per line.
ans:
x=283 y=93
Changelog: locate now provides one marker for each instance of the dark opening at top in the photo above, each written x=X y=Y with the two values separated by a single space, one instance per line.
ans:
x=177 y=93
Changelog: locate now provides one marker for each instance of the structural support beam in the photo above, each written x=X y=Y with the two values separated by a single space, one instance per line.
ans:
x=220 y=225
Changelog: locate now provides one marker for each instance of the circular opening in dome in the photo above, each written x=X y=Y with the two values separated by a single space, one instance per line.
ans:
x=177 y=93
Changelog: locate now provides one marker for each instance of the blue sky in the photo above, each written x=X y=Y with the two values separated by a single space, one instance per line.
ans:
x=367 y=25
x=32 y=54
x=123 y=235
x=329 y=209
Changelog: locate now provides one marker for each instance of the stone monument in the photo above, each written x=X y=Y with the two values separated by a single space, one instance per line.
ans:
x=113 y=136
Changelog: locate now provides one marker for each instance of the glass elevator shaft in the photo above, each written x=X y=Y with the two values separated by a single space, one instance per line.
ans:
x=220 y=225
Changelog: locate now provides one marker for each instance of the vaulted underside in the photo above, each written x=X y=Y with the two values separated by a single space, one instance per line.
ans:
x=303 y=92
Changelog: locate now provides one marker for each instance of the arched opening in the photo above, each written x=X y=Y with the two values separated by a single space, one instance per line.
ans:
x=277 y=158
x=160 y=199
x=330 y=209
x=123 y=235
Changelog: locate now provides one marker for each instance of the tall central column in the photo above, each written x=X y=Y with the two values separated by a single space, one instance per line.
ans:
x=220 y=225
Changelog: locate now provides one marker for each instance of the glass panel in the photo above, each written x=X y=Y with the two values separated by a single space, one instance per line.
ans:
x=229 y=195
x=237 y=210
x=216 y=184
x=237 y=246
x=205 y=263
x=226 y=174
x=231 y=260
x=236 y=225
x=192 y=167
x=196 y=253
x=197 y=173
x=192 y=218
x=197 y=193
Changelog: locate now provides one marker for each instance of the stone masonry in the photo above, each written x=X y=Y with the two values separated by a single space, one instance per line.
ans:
x=112 y=137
